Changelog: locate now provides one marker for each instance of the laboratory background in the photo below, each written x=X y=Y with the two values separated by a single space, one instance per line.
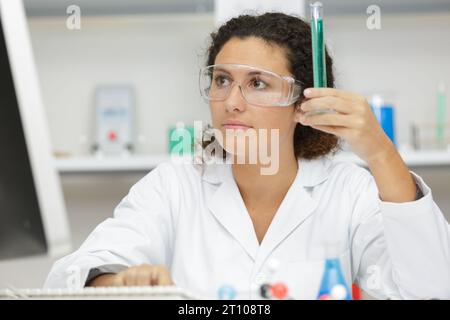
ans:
x=118 y=78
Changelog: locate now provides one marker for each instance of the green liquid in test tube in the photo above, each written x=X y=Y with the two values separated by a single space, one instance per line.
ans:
x=318 y=46
x=318 y=52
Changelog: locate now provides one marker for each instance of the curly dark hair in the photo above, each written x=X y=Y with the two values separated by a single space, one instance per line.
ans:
x=294 y=36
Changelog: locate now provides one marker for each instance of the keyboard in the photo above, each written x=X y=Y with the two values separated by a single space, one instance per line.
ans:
x=91 y=293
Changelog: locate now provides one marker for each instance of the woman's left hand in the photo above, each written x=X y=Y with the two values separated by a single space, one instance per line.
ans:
x=353 y=121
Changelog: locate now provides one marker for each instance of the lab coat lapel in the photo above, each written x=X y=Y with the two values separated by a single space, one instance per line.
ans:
x=297 y=205
x=227 y=206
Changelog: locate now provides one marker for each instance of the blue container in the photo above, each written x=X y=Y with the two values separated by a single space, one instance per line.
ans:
x=386 y=117
x=332 y=277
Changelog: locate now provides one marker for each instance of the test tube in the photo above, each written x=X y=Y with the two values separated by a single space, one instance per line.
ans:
x=318 y=46
x=318 y=52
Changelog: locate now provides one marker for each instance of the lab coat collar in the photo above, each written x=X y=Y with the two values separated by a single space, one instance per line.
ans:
x=216 y=172
x=313 y=172
x=228 y=207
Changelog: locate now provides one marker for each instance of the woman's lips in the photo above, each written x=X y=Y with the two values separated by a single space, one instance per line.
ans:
x=236 y=126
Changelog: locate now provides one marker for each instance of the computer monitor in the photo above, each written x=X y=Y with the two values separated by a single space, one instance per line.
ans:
x=33 y=218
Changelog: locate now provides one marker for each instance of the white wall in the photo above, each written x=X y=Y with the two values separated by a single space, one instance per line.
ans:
x=160 y=56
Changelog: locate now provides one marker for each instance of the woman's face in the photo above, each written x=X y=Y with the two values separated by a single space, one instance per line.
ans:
x=257 y=53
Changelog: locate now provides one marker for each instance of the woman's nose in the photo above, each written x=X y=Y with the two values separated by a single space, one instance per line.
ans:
x=235 y=100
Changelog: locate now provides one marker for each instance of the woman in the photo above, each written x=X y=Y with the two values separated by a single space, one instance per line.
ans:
x=230 y=224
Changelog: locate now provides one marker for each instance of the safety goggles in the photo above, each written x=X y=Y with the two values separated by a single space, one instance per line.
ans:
x=258 y=87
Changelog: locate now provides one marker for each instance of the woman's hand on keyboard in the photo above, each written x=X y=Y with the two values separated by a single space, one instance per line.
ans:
x=142 y=275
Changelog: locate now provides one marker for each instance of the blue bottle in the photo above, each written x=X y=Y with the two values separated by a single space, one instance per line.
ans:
x=386 y=117
x=333 y=285
x=385 y=114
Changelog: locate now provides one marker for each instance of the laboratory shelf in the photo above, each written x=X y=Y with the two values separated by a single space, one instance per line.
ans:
x=412 y=158
x=109 y=164
x=88 y=164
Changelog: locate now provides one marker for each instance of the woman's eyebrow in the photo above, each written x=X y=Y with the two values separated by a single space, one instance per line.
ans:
x=221 y=69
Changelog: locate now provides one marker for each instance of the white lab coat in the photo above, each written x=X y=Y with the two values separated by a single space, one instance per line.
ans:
x=196 y=223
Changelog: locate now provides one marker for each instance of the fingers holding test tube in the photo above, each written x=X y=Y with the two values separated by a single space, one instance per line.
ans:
x=352 y=119
x=319 y=99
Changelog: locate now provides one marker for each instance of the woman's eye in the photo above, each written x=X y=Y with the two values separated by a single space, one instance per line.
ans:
x=258 y=84
x=221 y=81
